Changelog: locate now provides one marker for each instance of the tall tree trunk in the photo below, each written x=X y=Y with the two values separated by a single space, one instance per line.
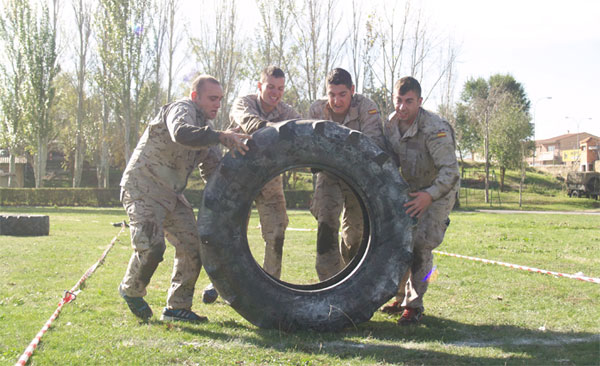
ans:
x=12 y=170
x=128 y=129
x=102 y=170
x=40 y=159
x=502 y=174
x=486 y=151
x=79 y=153
x=78 y=161
x=521 y=183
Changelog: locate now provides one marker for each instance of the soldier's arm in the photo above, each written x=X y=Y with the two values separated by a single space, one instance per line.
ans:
x=290 y=113
x=387 y=143
x=245 y=114
x=371 y=124
x=440 y=144
x=208 y=162
x=180 y=122
x=315 y=111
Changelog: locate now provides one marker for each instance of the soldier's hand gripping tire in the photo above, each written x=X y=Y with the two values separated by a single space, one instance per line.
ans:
x=351 y=296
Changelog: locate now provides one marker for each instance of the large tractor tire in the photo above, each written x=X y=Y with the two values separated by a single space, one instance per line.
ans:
x=24 y=225
x=355 y=293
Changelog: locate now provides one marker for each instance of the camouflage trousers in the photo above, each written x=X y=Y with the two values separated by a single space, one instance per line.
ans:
x=428 y=234
x=334 y=197
x=270 y=204
x=150 y=223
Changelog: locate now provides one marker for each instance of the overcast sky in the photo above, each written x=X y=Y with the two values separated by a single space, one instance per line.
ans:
x=551 y=47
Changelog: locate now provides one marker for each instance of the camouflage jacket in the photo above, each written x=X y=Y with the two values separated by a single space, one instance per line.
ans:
x=178 y=139
x=362 y=116
x=425 y=153
x=247 y=113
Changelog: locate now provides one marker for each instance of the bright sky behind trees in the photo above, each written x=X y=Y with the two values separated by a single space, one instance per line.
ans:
x=551 y=47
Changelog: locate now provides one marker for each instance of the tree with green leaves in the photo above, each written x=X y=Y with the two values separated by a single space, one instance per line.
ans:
x=481 y=102
x=41 y=60
x=496 y=110
x=13 y=29
x=510 y=131
x=468 y=137
x=126 y=61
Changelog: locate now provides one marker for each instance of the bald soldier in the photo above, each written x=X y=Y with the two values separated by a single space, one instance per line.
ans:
x=175 y=142
x=423 y=145
x=332 y=196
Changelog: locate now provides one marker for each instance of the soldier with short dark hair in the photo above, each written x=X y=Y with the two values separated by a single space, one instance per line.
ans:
x=251 y=113
x=423 y=145
x=332 y=196
x=177 y=140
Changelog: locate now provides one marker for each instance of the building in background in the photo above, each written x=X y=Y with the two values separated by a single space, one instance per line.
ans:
x=590 y=154
x=20 y=163
x=578 y=151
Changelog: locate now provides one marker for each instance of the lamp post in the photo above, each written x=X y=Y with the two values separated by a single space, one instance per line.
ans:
x=534 y=129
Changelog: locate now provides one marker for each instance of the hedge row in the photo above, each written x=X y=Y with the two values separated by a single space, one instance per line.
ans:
x=96 y=197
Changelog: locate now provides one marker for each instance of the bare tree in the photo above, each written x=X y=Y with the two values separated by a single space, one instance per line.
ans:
x=390 y=34
x=221 y=53
x=403 y=44
x=157 y=38
x=317 y=23
x=275 y=45
x=174 y=38
x=83 y=15
x=356 y=44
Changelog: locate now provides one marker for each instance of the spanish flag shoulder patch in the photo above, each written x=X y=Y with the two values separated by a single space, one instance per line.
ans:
x=372 y=111
x=441 y=134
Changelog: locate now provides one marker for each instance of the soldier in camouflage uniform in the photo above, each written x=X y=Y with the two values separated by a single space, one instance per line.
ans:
x=423 y=145
x=251 y=113
x=332 y=196
x=176 y=141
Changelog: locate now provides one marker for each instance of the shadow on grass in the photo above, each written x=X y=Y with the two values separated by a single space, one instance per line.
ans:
x=387 y=342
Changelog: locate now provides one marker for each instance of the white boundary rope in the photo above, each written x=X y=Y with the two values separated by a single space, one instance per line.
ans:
x=509 y=265
x=68 y=297
x=525 y=268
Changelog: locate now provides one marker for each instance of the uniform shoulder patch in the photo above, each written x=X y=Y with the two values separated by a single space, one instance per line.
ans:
x=440 y=134
x=372 y=111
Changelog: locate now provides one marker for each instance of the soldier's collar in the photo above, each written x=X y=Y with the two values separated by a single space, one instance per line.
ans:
x=352 y=113
x=412 y=130
x=275 y=110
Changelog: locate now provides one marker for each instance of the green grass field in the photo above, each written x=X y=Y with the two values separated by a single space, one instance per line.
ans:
x=476 y=314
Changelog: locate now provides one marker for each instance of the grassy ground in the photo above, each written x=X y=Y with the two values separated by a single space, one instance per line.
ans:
x=476 y=314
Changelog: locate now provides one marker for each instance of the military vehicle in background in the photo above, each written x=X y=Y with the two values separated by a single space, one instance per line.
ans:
x=583 y=184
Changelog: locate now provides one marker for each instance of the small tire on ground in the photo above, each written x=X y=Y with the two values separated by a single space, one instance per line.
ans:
x=24 y=225
x=351 y=296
